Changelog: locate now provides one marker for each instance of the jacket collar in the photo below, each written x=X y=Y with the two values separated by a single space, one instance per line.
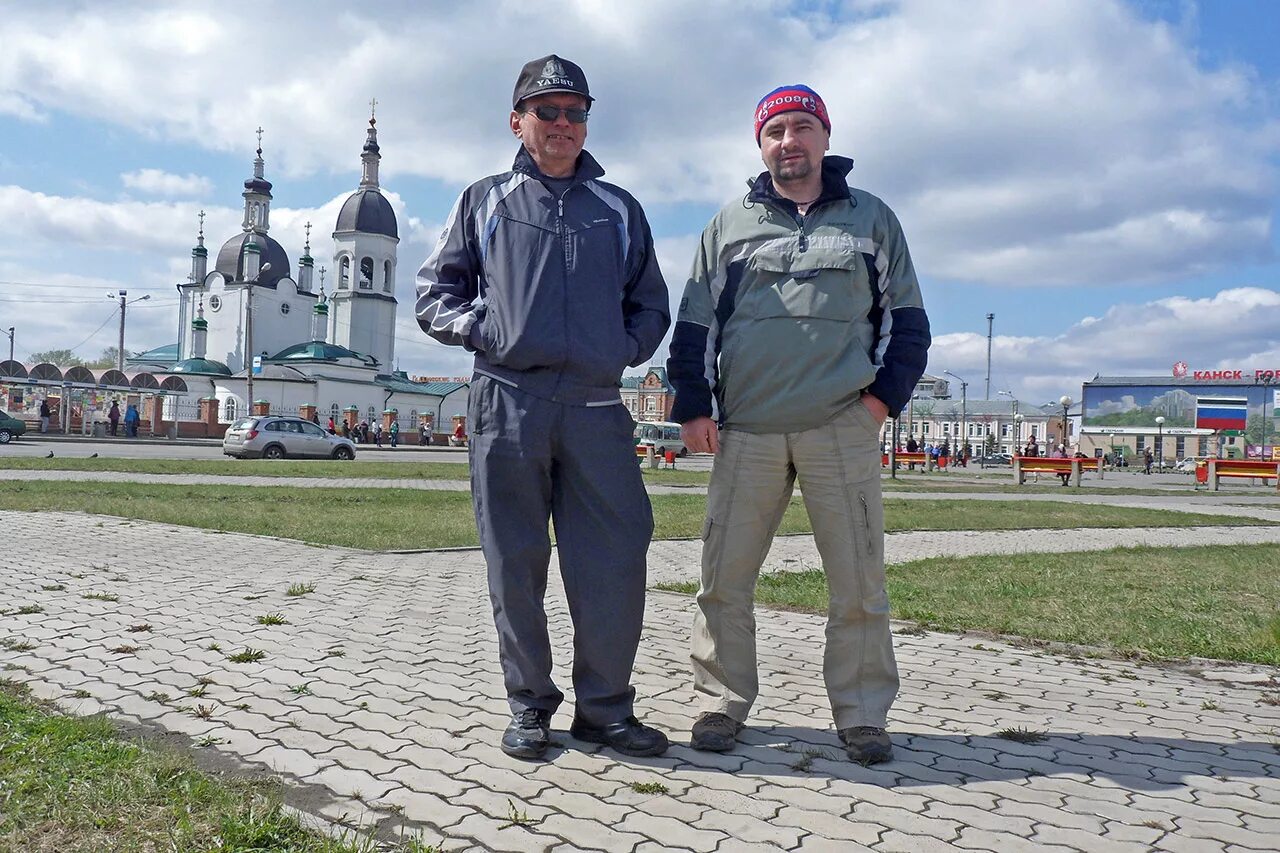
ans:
x=834 y=185
x=586 y=168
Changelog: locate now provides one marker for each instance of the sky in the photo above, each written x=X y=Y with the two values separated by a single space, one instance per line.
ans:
x=1101 y=175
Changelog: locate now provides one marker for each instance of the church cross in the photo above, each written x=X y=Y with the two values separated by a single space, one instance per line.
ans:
x=202 y=223
x=259 y=131
x=373 y=106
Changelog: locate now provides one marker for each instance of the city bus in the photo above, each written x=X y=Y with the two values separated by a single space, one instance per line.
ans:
x=661 y=436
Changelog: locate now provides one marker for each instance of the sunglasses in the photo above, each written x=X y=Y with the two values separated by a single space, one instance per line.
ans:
x=546 y=112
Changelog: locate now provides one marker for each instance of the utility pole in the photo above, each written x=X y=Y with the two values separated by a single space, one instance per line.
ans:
x=990 y=319
x=10 y=334
x=120 y=345
x=123 y=304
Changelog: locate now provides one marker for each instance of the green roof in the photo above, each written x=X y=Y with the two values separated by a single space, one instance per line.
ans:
x=201 y=365
x=319 y=351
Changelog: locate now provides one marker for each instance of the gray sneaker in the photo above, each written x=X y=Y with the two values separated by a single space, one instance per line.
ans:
x=714 y=732
x=867 y=744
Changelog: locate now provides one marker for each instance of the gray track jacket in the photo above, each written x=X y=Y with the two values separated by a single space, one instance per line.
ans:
x=555 y=293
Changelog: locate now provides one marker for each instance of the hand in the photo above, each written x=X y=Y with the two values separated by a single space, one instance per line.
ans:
x=701 y=435
x=877 y=408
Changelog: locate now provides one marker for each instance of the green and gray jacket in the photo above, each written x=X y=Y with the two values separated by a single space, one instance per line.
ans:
x=786 y=319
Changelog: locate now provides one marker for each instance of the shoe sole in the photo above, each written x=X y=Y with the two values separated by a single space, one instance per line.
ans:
x=592 y=737
x=529 y=753
x=868 y=760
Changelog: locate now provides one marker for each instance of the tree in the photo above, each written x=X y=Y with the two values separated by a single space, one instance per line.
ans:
x=60 y=357
x=106 y=360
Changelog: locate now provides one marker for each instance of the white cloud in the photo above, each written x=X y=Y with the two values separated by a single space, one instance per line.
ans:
x=1027 y=144
x=1234 y=328
x=158 y=182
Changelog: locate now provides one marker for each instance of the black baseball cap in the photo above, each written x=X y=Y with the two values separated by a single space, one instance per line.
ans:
x=550 y=74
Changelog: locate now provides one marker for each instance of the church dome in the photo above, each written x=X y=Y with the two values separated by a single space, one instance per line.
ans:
x=231 y=258
x=368 y=210
x=319 y=351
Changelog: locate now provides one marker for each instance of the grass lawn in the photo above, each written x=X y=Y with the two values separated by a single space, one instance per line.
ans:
x=229 y=467
x=1211 y=602
x=403 y=519
x=74 y=784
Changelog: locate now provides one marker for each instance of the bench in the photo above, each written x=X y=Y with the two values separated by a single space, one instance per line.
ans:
x=1023 y=465
x=1243 y=469
x=905 y=458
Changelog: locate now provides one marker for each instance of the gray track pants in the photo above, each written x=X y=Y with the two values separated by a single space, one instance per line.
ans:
x=534 y=460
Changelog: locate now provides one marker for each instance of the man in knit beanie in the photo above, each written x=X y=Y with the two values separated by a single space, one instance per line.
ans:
x=800 y=331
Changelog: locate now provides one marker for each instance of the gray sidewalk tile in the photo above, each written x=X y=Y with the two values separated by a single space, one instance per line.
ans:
x=420 y=655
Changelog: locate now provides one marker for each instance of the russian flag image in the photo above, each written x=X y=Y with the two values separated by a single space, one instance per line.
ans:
x=1222 y=413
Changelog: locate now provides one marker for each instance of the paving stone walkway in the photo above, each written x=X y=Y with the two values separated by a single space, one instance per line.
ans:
x=380 y=701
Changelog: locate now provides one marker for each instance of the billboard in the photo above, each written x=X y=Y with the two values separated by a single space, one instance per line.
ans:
x=1138 y=406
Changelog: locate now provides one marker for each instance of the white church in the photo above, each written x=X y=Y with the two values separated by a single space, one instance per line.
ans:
x=330 y=355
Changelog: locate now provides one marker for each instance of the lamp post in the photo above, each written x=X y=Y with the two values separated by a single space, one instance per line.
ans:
x=124 y=303
x=1014 y=400
x=10 y=334
x=1160 y=441
x=1262 y=442
x=1065 y=401
x=248 y=336
x=964 y=401
x=1017 y=435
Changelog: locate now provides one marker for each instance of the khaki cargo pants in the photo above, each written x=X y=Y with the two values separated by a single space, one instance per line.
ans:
x=838 y=466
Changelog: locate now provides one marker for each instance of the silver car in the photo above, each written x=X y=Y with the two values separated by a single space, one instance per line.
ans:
x=274 y=437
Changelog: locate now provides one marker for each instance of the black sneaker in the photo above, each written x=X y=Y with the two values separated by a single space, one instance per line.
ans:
x=867 y=744
x=715 y=732
x=627 y=736
x=528 y=735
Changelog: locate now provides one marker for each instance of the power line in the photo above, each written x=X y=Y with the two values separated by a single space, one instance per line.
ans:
x=81 y=286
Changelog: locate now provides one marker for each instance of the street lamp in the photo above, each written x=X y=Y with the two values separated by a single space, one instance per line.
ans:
x=1065 y=401
x=964 y=402
x=1017 y=435
x=1014 y=400
x=248 y=336
x=123 y=304
x=1160 y=439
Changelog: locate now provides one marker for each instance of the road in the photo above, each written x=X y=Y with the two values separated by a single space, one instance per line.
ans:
x=36 y=445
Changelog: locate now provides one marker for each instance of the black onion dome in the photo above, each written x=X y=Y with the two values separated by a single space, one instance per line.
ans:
x=368 y=210
x=231 y=258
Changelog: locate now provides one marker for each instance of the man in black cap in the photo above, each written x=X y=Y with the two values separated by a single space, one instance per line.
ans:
x=548 y=275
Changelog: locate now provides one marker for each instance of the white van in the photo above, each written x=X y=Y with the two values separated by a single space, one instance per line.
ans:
x=661 y=436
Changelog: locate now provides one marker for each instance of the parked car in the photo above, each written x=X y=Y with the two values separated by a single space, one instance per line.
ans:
x=275 y=437
x=1187 y=464
x=10 y=427
x=995 y=459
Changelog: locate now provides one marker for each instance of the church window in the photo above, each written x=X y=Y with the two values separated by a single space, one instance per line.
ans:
x=344 y=273
x=373 y=415
x=334 y=412
x=366 y=273
x=388 y=278
x=229 y=410
x=284 y=307
x=215 y=302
